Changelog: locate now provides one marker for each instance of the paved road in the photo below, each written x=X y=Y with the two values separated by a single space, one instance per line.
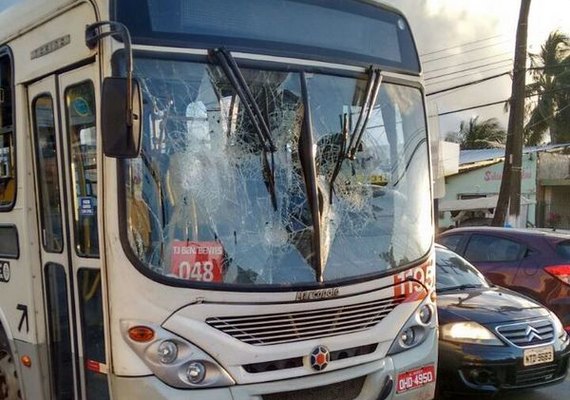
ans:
x=556 y=392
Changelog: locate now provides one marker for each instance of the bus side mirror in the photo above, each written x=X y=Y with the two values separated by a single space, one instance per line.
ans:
x=121 y=119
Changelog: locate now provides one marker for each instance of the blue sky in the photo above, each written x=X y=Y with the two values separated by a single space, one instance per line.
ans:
x=7 y=3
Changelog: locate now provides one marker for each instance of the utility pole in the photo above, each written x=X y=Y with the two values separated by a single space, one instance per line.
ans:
x=512 y=169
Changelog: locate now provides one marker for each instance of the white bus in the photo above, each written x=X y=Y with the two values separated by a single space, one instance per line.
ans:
x=213 y=199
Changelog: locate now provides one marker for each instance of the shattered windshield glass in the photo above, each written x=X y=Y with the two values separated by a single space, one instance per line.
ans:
x=199 y=201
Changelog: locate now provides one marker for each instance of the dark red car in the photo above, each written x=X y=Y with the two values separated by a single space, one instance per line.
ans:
x=534 y=263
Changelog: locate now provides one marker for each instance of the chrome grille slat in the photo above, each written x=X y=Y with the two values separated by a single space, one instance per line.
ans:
x=298 y=338
x=527 y=334
x=278 y=328
x=308 y=323
x=308 y=313
x=276 y=333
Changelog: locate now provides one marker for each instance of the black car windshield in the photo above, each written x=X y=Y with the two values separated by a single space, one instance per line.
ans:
x=455 y=273
x=200 y=205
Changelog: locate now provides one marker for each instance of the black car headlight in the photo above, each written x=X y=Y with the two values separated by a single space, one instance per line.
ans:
x=416 y=328
x=469 y=332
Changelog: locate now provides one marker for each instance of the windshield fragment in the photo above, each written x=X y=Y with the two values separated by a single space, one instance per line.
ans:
x=258 y=119
x=372 y=88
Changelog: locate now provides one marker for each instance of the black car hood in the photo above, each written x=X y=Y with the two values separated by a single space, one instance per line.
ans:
x=486 y=306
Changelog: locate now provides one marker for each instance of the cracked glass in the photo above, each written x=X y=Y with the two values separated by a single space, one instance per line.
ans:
x=199 y=202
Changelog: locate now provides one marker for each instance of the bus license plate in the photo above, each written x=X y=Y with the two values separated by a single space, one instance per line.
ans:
x=415 y=378
x=539 y=355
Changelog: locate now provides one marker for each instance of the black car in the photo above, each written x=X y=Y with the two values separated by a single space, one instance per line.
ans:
x=492 y=339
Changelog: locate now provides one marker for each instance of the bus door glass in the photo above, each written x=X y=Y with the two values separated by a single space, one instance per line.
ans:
x=52 y=230
x=79 y=129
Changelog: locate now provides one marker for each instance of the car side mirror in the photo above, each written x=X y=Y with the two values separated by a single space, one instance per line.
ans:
x=121 y=122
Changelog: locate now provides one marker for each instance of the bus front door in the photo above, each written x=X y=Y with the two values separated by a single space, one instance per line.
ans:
x=64 y=131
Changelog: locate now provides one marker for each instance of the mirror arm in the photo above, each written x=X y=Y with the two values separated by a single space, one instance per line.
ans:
x=93 y=35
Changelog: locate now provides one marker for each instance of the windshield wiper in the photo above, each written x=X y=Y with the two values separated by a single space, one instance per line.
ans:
x=260 y=125
x=307 y=159
x=461 y=287
x=372 y=90
x=340 y=156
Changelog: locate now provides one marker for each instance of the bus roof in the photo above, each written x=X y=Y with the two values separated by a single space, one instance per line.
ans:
x=17 y=15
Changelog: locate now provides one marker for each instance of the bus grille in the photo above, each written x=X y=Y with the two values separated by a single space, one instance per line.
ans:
x=528 y=334
x=347 y=390
x=302 y=325
x=296 y=362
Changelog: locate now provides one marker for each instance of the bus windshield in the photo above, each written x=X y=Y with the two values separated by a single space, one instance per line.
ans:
x=206 y=202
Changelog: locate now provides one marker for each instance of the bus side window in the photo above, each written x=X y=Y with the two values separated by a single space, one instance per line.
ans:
x=81 y=128
x=7 y=151
x=48 y=181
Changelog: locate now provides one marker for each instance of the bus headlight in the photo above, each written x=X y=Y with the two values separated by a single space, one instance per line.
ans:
x=167 y=352
x=416 y=329
x=425 y=313
x=176 y=361
x=408 y=337
x=196 y=372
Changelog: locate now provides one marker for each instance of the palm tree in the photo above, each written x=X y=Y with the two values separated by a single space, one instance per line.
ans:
x=473 y=134
x=551 y=74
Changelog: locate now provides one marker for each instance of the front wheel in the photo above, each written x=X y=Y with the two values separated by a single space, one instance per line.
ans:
x=9 y=385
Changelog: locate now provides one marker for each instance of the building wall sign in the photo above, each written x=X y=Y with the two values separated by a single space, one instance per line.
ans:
x=497 y=176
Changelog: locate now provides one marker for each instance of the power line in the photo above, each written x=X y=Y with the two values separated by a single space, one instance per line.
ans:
x=470 y=74
x=452 y=88
x=460 y=45
x=466 y=51
x=504 y=101
x=548 y=117
x=470 y=69
x=473 y=107
x=468 y=83
x=466 y=63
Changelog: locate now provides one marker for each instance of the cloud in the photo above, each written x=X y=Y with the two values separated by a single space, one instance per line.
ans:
x=461 y=27
x=453 y=24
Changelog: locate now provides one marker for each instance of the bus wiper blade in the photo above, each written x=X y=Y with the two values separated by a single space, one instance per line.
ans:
x=373 y=87
x=372 y=90
x=340 y=155
x=310 y=172
x=233 y=73
x=260 y=125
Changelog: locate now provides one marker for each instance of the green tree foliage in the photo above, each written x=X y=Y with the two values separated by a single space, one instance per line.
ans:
x=550 y=70
x=473 y=134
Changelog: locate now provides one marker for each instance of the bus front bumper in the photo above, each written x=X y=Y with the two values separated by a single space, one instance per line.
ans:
x=377 y=380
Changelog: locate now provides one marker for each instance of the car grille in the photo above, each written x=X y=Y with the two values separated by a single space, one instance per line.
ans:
x=537 y=374
x=295 y=326
x=528 y=333
x=347 y=390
